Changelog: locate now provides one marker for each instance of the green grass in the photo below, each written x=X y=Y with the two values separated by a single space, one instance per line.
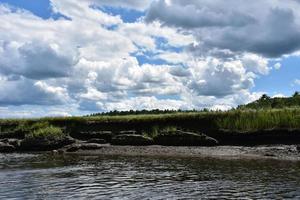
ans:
x=38 y=128
x=266 y=102
x=47 y=132
x=248 y=120
x=43 y=137
x=241 y=120
x=156 y=130
x=43 y=130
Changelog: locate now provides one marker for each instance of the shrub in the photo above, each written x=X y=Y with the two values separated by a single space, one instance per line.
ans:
x=156 y=130
x=39 y=125
x=25 y=128
x=47 y=138
x=49 y=132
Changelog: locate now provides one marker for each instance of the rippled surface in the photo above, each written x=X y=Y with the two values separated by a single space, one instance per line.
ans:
x=106 y=177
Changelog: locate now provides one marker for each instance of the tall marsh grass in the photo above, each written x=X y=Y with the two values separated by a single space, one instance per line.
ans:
x=259 y=119
x=241 y=120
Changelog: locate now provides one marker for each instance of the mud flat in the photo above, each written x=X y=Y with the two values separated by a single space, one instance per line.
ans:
x=281 y=152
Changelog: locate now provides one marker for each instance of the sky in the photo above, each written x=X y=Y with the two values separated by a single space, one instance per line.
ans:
x=71 y=57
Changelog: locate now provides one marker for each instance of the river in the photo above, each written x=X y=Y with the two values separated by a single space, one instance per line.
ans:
x=44 y=176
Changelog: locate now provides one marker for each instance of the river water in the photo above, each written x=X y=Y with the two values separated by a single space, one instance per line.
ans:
x=43 y=176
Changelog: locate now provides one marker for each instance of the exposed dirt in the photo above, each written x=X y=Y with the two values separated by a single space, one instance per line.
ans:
x=281 y=152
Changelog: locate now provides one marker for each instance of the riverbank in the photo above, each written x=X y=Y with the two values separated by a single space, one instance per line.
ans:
x=279 y=152
x=237 y=121
x=240 y=130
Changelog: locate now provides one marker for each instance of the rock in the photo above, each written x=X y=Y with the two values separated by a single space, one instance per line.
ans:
x=14 y=142
x=54 y=152
x=132 y=139
x=13 y=134
x=73 y=148
x=209 y=141
x=6 y=148
x=181 y=138
x=269 y=155
x=69 y=140
x=84 y=146
x=5 y=140
x=60 y=151
x=130 y=132
x=97 y=141
x=298 y=148
x=45 y=144
x=87 y=135
x=57 y=152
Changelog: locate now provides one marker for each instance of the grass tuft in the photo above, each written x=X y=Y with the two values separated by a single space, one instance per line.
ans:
x=47 y=132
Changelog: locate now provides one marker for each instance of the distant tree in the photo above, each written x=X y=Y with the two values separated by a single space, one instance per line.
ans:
x=205 y=110
x=296 y=94
x=278 y=103
x=265 y=97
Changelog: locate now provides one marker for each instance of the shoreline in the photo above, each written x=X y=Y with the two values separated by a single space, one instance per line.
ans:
x=277 y=152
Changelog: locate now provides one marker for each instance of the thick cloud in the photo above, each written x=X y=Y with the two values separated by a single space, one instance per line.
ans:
x=191 y=15
x=277 y=35
x=268 y=28
x=133 y=4
x=73 y=8
x=93 y=61
x=119 y=78
x=36 y=60
x=215 y=78
x=140 y=103
x=83 y=11
x=255 y=64
x=27 y=92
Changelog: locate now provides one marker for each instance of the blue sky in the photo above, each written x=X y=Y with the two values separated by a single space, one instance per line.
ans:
x=78 y=57
x=40 y=8
x=282 y=80
x=127 y=15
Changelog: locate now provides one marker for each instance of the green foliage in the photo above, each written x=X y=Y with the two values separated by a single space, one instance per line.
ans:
x=22 y=126
x=44 y=138
x=247 y=120
x=144 y=112
x=170 y=129
x=39 y=125
x=296 y=94
x=265 y=113
x=28 y=127
x=266 y=102
x=156 y=130
x=47 y=132
x=39 y=129
x=236 y=119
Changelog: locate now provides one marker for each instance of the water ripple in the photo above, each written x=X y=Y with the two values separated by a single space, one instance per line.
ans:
x=110 y=177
